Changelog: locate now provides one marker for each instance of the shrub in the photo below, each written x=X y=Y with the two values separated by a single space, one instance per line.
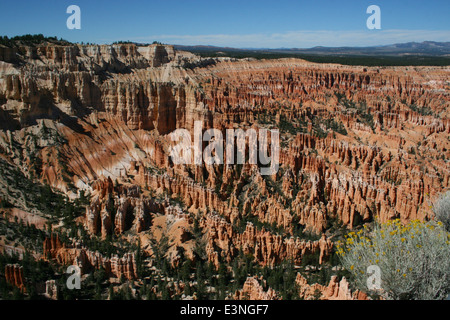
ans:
x=413 y=259
x=442 y=210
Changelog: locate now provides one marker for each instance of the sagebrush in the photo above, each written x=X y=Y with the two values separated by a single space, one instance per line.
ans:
x=413 y=259
x=442 y=209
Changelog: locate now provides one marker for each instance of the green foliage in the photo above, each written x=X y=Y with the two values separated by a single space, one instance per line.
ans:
x=282 y=279
x=328 y=123
x=424 y=111
x=367 y=119
x=286 y=126
x=36 y=272
x=442 y=210
x=336 y=126
x=123 y=42
x=353 y=60
x=42 y=197
x=413 y=259
x=30 y=40
x=363 y=113
x=203 y=63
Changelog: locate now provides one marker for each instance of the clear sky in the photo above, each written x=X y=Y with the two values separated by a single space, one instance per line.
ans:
x=234 y=23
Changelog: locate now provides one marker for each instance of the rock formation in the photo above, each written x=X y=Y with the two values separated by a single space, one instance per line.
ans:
x=336 y=290
x=357 y=145
x=14 y=276
x=87 y=260
x=51 y=290
x=252 y=290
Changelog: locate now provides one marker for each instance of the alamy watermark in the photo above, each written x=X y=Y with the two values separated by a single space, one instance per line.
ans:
x=374 y=21
x=74 y=280
x=374 y=279
x=74 y=20
x=186 y=152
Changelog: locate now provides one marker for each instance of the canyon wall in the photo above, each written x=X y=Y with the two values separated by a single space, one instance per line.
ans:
x=358 y=145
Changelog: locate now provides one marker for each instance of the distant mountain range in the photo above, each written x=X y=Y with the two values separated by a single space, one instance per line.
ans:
x=427 y=48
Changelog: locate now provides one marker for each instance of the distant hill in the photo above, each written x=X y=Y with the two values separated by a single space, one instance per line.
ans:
x=427 y=53
x=427 y=48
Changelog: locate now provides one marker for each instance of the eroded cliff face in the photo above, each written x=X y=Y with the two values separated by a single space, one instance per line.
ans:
x=14 y=276
x=336 y=290
x=357 y=145
x=252 y=290
x=88 y=260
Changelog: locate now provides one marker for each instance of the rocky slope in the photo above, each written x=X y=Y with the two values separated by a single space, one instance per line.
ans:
x=358 y=144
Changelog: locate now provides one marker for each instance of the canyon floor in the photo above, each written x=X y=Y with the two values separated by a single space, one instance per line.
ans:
x=86 y=176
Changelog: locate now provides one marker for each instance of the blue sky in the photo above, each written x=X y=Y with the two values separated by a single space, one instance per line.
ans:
x=243 y=23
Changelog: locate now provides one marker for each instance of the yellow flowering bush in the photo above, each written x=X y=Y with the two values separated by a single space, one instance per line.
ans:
x=413 y=258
